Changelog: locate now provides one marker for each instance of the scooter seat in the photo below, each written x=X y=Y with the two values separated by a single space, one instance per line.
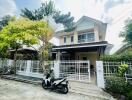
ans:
x=57 y=79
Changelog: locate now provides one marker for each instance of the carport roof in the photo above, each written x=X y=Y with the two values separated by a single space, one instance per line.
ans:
x=81 y=45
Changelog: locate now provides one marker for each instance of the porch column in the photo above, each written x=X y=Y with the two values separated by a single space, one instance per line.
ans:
x=58 y=55
x=75 y=37
x=100 y=52
x=96 y=33
x=28 y=67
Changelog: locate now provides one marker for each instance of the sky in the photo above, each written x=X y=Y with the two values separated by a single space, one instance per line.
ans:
x=113 y=12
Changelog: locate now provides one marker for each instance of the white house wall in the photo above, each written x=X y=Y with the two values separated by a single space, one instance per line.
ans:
x=85 y=25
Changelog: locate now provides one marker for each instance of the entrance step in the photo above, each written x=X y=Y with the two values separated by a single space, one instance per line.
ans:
x=26 y=79
x=90 y=90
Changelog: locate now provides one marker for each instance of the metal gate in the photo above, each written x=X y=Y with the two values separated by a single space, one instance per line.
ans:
x=21 y=65
x=75 y=70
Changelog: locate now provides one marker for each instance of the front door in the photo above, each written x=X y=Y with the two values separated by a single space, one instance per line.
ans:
x=84 y=58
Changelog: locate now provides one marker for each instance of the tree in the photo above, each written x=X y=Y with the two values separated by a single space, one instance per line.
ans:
x=4 y=21
x=65 y=19
x=127 y=33
x=48 y=9
x=24 y=32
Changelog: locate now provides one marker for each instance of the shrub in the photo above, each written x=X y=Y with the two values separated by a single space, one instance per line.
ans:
x=1 y=70
x=122 y=69
x=117 y=85
x=127 y=56
x=129 y=95
x=7 y=70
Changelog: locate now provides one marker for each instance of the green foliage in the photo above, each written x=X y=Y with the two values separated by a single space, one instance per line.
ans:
x=4 y=21
x=129 y=95
x=48 y=9
x=1 y=71
x=122 y=69
x=7 y=70
x=32 y=15
x=127 y=33
x=117 y=85
x=65 y=19
x=127 y=56
x=23 y=32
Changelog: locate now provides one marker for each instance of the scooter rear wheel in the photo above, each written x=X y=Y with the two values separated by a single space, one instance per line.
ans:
x=44 y=85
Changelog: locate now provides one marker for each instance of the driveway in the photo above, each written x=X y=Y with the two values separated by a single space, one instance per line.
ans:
x=12 y=90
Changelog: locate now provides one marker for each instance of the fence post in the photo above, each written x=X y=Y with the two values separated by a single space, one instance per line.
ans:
x=28 y=66
x=56 y=68
x=10 y=62
x=100 y=74
x=89 y=71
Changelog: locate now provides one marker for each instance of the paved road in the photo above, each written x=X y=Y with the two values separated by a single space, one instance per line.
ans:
x=12 y=90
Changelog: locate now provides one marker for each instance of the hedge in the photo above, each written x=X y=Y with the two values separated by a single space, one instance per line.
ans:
x=127 y=56
x=118 y=85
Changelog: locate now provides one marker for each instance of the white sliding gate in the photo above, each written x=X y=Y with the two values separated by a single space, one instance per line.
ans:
x=75 y=70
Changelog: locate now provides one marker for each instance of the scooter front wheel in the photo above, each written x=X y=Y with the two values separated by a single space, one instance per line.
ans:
x=65 y=89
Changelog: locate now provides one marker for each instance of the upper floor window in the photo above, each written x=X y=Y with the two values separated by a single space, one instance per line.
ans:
x=64 y=39
x=72 y=39
x=88 y=37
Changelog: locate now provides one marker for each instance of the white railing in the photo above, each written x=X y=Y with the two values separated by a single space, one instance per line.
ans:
x=75 y=70
x=111 y=68
x=4 y=62
x=21 y=65
x=26 y=67
x=33 y=68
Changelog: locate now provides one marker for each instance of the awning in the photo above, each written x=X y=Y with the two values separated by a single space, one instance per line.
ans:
x=82 y=46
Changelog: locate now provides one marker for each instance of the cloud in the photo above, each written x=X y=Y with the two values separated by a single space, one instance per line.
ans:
x=7 y=7
x=78 y=8
x=119 y=14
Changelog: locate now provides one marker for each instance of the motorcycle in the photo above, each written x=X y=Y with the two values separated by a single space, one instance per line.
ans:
x=59 y=84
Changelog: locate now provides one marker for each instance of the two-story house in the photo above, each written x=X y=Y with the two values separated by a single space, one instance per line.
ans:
x=85 y=42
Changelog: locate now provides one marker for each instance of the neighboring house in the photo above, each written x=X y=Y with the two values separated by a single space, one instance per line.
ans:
x=30 y=53
x=124 y=48
x=85 y=42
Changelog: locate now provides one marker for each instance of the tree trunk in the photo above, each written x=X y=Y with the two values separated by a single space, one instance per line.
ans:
x=15 y=58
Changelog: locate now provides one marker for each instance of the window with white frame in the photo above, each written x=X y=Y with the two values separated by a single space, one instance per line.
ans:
x=86 y=37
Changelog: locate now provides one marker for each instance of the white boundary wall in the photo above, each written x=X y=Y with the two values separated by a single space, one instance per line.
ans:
x=100 y=74
x=56 y=68
x=109 y=68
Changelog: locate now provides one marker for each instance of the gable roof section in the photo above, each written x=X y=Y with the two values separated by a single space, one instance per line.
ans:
x=87 y=18
x=101 y=25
